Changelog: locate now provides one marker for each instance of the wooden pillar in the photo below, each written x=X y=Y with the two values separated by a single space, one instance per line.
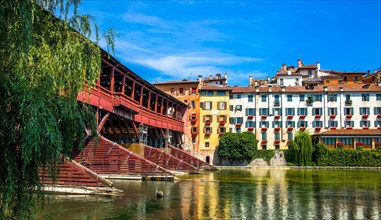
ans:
x=128 y=130
x=123 y=84
x=103 y=121
x=136 y=131
x=157 y=99
x=112 y=79
x=141 y=96
x=149 y=100
x=162 y=105
x=133 y=90
x=121 y=130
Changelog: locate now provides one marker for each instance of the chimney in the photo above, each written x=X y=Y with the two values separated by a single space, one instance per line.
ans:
x=341 y=88
x=318 y=65
x=250 y=79
x=284 y=67
x=270 y=89
x=283 y=88
x=325 y=88
x=288 y=72
x=300 y=64
x=199 y=78
x=226 y=77
x=256 y=88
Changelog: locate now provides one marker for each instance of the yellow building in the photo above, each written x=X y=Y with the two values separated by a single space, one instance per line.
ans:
x=214 y=119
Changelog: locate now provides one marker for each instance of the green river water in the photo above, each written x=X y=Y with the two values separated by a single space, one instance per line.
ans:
x=234 y=194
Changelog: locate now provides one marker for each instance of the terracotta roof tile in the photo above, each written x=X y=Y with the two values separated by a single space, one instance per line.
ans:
x=347 y=132
x=177 y=82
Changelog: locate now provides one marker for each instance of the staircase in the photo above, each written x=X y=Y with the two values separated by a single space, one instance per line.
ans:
x=190 y=159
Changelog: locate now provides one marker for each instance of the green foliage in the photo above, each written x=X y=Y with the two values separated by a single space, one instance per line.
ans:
x=301 y=149
x=237 y=147
x=44 y=64
x=347 y=157
x=264 y=154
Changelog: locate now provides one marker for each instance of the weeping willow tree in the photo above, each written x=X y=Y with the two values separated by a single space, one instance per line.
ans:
x=46 y=58
x=302 y=148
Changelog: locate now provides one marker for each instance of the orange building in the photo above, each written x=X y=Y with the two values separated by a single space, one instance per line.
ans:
x=187 y=92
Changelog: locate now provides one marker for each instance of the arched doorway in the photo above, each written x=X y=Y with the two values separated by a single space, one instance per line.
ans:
x=207 y=159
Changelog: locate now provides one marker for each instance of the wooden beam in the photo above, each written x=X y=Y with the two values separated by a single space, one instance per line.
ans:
x=102 y=123
x=136 y=131
x=128 y=129
x=133 y=90
x=149 y=100
x=123 y=84
x=112 y=80
x=157 y=99
x=141 y=96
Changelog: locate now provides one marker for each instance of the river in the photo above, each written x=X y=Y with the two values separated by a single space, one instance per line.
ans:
x=234 y=194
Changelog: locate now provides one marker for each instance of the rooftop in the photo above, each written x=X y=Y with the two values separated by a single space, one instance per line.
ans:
x=352 y=132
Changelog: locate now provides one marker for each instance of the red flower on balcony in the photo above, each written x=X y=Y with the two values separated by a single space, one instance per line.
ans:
x=221 y=134
x=276 y=141
x=250 y=116
x=238 y=125
x=277 y=128
x=302 y=117
x=303 y=128
x=193 y=120
x=289 y=116
x=264 y=142
x=348 y=116
x=317 y=128
x=379 y=128
x=317 y=116
x=349 y=128
x=264 y=116
x=207 y=134
x=207 y=122
x=222 y=123
x=378 y=144
x=359 y=143
x=250 y=129
x=379 y=116
x=365 y=128
x=332 y=116
x=264 y=129
x=333 y=128
x=365 y=116
x=277 y=116
x=340 y=144
x=290 y=128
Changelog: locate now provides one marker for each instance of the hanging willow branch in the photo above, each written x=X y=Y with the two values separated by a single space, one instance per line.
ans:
x=44 y=63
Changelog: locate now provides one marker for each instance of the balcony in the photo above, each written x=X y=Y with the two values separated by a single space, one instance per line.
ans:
x=379 y=116
x=264 y=116
x=207 y=122
x=194 y=133
x=207 y=133
x=365 y=116
x=264 y=142
x=348 y=116
x=263 y=129
x=193 y=120
x=290 y=116
x=302 y=116
x=290 y=128
x=332 y=116
x=250 y=116
x=317 y=128
x=348 y=102
x=317 y=116
x=277 y=116
x=250 y=129
x=222 y=122
x=332 y=128
x=277 y=129
x=276 y=141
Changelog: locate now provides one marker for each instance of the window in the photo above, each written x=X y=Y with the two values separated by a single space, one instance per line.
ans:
x=332 y=124
x=346 y=141
x=231 y=96
x=264 y=98
x=264 y=147
x=231 y=108
x=193 y=140
x=364 y=123
x=207 y=130
x=239 y=120
x=206 y=144
x=347 y=97
x=345 y=79
x=377 y=110
x=290 y=124
x=378 y=97
x=250 y=124
x=348 y=111
x=239 y=96
x=377 y=124
x=238 y=107
x=290 y=136
x=329 y=141
x=289 y=98
x=276 y=100
x=172 y=90
x=281 y=82
x=263 y=111
x=349 y=124
x=277 y=147
x=302 y=98
x=277 y=124
x=332 y=97
x=250 y=111
x=207 y=105
x=264 y=136
x=364 y=110
x=194 y=129
x=193 y=104
x=365 y=97
x=232 y=120
x=250 y=98
x=222 y=130
x=181 y=91
x=193 y=91
x=264 y=124
x=317 y=111
x=221 y=93
x=316 y=124
x=230 y=130
x=238 y=130
x=366 y=141
x=302 y=124
x=221 y=105
x=309 y=72
x=277 y=111
x=210 y=92
x=208 y=118
x=332 y=111
x=203 y=92
x=290 y=111
x=356 y=78
x=317 y=98
x=277 y=136
x=302 y=111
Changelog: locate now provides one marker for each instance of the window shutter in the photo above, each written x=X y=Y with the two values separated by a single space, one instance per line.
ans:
x=204 y=118
x=218 y=118
x=211 y=118
x=204 y=130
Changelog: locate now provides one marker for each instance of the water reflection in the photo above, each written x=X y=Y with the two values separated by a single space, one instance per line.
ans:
x=238 y=194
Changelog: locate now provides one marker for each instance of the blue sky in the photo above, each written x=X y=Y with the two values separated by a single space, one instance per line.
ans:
x=173 y=40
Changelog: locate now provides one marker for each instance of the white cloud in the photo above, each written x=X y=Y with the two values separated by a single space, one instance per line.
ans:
x=139 y=18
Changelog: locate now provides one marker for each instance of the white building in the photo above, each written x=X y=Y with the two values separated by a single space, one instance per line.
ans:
x=276 y=113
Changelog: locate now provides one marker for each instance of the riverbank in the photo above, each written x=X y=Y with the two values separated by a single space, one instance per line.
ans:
x=296 y=167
